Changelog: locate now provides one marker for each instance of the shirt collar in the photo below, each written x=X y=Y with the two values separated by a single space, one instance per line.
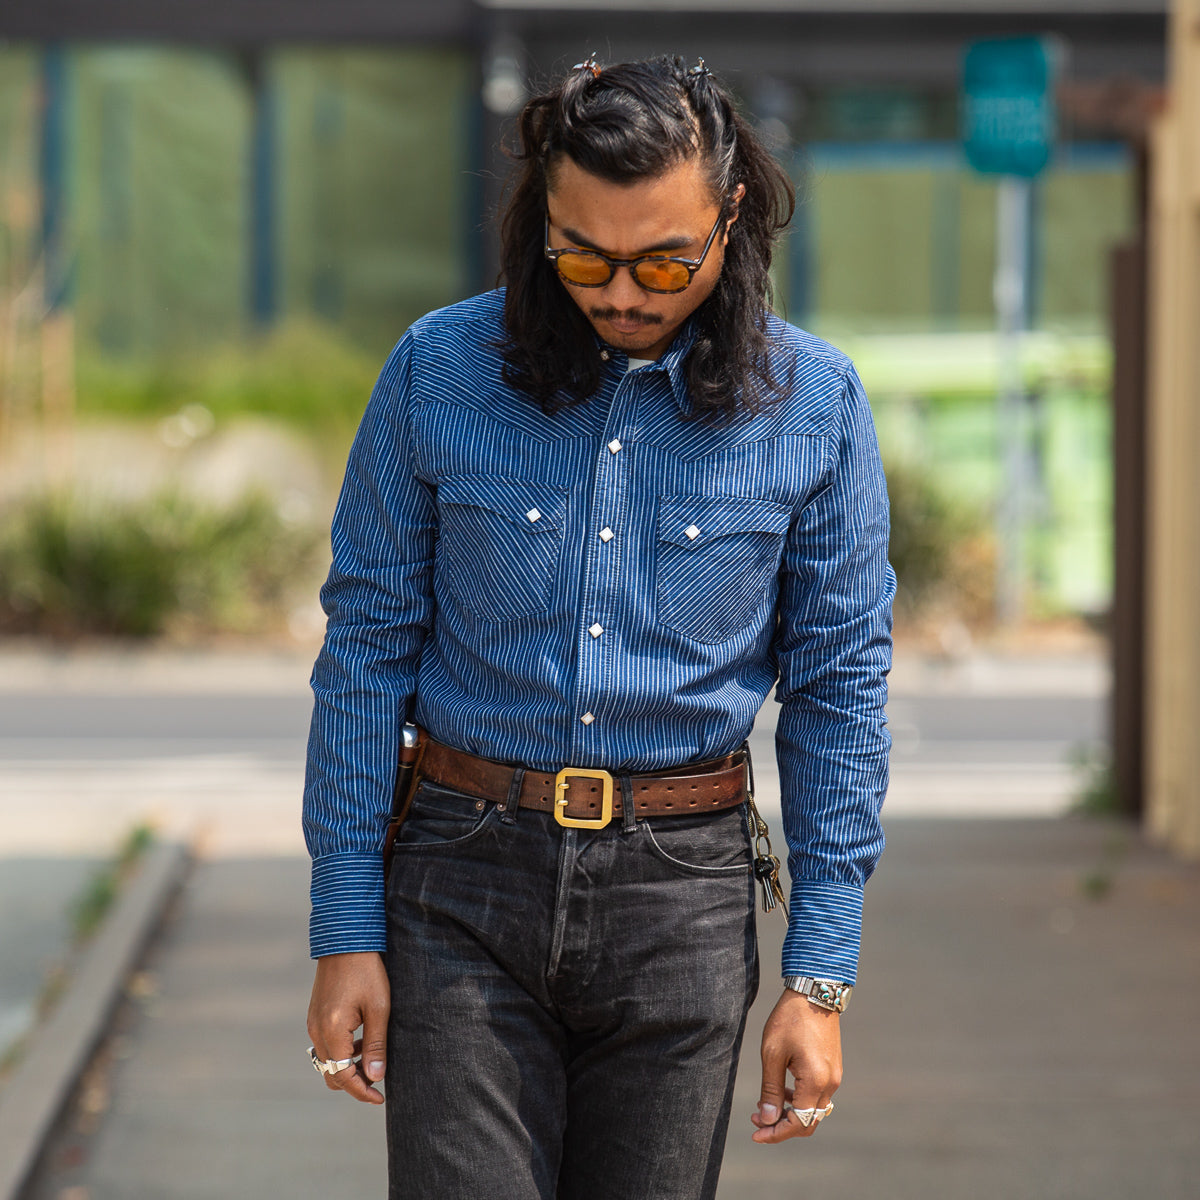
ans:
x=673 y=363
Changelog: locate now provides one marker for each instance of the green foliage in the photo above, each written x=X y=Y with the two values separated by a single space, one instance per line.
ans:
x=1096 y=795
x=90 y=906
x=936 y=546
x=302 y=372
x=138 y=570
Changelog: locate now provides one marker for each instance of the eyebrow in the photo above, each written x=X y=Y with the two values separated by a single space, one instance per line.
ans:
x=663 y=247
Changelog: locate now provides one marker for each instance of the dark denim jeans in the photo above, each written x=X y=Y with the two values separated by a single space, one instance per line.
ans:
x=567 y=1005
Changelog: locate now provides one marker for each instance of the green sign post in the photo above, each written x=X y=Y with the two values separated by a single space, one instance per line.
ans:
x=1008 y=125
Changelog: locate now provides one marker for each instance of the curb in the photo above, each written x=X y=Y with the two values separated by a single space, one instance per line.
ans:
x=37 y=1092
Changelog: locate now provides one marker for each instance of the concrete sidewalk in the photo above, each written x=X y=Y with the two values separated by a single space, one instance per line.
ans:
x=1025 y=1026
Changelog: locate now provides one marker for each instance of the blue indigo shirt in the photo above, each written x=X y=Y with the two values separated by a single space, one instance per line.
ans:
x=615 y=586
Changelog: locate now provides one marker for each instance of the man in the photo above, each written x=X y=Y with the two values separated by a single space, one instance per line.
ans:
x=588 y=522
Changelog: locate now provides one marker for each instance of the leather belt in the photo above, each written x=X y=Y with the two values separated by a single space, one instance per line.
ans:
x=583 y=798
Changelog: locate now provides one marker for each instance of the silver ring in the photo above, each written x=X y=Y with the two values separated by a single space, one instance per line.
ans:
x=330 y=1066
x=811 y=1116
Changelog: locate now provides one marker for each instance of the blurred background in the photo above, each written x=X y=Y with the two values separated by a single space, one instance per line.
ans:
x=215 y=221
x=213 y=232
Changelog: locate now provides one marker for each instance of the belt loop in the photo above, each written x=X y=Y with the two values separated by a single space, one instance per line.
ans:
x=508 y=810
x=628 y=814
x=749 y=764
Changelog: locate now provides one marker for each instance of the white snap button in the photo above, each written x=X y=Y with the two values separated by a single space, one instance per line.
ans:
x=606 y=534
x=605 y=356
x=587 y=718
x=692 y=532
x=614 y=445
x=596 y=630
x=534 y=515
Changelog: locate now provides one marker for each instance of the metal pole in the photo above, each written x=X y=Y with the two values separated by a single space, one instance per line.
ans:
x=261 y=179
x=1010 y=291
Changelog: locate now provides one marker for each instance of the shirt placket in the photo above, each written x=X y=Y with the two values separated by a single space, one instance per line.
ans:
x=607 y=543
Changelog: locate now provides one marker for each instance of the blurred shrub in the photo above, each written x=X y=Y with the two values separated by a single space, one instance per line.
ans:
x=939 y=548
x=162 y=565
x=302 y=371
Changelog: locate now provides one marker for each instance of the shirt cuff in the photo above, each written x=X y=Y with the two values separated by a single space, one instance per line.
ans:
x=824 y=930
x=347 y=905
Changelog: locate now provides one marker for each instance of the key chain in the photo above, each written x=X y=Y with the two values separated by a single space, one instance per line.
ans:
x=765 y=865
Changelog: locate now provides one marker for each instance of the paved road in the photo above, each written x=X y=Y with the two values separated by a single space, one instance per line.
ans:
x=88 y=746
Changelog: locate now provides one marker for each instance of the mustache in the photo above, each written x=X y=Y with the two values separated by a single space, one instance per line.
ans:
x=615 y=314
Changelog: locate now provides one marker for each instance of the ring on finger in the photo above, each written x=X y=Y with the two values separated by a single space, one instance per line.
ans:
x=811 y=1116
x=330 y=1066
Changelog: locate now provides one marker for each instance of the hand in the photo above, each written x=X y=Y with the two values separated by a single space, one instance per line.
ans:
x=351 y=990
x=806 y=1040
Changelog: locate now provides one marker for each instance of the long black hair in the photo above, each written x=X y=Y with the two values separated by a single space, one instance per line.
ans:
x=626 y=123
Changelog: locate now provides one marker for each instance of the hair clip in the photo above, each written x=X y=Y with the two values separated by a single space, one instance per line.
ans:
x=589 y=64
x=699 y=71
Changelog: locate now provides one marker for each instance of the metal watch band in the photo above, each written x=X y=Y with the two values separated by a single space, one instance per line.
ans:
x=824 y=993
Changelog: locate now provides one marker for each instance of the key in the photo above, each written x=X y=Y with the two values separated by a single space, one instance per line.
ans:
x=766 y=871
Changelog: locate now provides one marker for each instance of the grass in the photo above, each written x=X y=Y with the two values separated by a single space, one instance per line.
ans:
x=91 y=905
x=1096 y=795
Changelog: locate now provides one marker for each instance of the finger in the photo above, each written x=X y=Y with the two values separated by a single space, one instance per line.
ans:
x=374 y=1041
x=774 y=1092
x=787 y=1099
x=798 y=1127
x=349 y=1079
x=353 y=1083
x=336 y=1080
x=789 y=1124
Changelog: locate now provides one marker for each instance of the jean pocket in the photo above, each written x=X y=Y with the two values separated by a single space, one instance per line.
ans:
x=718 y=561
x=441 y=817
x=713 y=844
x=500 y=542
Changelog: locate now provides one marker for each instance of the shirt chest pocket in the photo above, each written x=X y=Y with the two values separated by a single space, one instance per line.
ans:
x=500 y=542
x=718 y=559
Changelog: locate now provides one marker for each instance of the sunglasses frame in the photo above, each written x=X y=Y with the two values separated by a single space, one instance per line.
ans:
x=692 y=264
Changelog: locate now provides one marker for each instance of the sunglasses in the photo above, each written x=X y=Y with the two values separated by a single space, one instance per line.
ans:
x=653 y=272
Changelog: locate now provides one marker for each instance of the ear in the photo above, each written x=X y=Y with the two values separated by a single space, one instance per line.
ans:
x=738 y=193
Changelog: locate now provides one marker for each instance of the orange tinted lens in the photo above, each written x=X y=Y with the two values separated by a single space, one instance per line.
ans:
x=588 y=269
x=662 y=275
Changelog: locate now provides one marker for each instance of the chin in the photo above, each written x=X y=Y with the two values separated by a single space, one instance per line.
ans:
x=648 y=342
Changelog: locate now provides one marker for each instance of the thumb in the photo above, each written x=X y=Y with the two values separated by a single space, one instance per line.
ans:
x=374 y=1043
x=772 y=1097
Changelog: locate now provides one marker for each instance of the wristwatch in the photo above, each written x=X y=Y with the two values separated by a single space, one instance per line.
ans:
x=824 y=993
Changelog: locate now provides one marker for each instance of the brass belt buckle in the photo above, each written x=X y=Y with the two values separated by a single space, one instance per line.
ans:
x=560 y=799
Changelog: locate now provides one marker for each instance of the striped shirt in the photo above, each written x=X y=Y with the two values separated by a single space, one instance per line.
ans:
x=612 y=587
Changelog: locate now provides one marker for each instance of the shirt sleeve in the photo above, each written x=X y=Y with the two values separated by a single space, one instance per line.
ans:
x=379 y=604
x=833 y=646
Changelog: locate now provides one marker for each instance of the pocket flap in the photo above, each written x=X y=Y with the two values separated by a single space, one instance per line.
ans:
x=531 y=505
x=695 y=520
